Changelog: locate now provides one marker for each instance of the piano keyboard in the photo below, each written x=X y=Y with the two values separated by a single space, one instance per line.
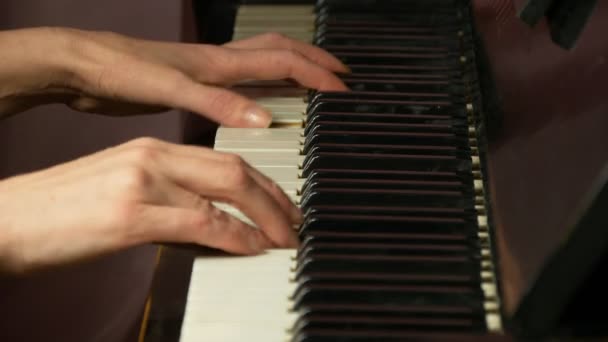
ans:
x=395 y=244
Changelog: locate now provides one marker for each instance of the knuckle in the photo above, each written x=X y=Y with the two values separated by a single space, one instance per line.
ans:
x=133 y=181
x=236 y=175
x=198 y=221
x=124 y=213
x=275 y=37
x=145 y=142
x=142 y=155
x=285 y=60
x=234 y=160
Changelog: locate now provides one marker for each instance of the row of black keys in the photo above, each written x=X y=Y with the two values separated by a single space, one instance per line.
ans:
x=389 y=243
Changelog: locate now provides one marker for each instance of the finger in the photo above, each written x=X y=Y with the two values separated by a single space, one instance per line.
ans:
x=232 y=183
x=213 y=228
x=279 y=41
x=274 y=64
x=208 y=154
x=157 y=85
x=278 y=194
x=221 y=105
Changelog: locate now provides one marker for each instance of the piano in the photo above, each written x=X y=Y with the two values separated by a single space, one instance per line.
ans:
x=457 y=192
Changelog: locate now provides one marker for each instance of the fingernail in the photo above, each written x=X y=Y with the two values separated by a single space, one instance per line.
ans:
x=256 y=117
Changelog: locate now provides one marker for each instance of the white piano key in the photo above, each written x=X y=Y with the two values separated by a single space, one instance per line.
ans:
x=287 y=105
x=239 y=296
x=272 y=25
x=280 y=100
x=258 y=145
x=267 y=160
x=254 y=29
x=272 y=10
x=281 y=174
x=300 y=37
x=258 y=134
x=289 y=119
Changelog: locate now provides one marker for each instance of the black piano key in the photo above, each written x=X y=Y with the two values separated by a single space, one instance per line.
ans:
x=456 y=239
x=377 y=335
x=388 y=210
x=315 y=184
x=388 y=312
x=374 y=28
x=384 y=138
x=396 y=295
x=387 y=19
x=409 y=72
x=394 y=310
x=377 y=39
x=384 y=248
x=383 y=5
x=403 y=85
x=359 y=322
x=388 y=106
x=384 y=162
x=399 y=237
x=389 y=149
x=397 y=58
x=433 y=98
x=390 y=264
x=336 y=178
x=374 y=174
x=386 y=225
x=385 y=118
x=329 y=125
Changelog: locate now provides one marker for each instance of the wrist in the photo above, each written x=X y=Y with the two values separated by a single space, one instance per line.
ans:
x=36 y=67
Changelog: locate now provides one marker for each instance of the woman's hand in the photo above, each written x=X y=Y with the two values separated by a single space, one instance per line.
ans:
x=112 y=74
x=140 y=192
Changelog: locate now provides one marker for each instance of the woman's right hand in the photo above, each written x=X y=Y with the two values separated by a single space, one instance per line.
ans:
x=139 y=192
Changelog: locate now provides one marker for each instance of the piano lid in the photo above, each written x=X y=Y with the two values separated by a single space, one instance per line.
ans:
x=547 y=146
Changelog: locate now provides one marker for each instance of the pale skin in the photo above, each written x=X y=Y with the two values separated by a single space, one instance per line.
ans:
x=145 y=190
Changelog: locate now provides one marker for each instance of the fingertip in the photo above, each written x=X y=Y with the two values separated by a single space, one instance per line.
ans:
x=334 y=84
x=341 y=67
x=256 y=117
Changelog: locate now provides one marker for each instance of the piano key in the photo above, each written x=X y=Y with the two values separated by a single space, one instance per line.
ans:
x=322 y=124
x=338 y=160
x=305 y=37
x=364 y=137
x=258 y=145
x=281 y=174
x=270 y=160
x=257 y=134
x=222 y=313
x=270 y=11
x=387 y=118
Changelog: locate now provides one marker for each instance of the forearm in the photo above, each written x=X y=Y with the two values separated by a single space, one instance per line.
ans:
x=34 y=64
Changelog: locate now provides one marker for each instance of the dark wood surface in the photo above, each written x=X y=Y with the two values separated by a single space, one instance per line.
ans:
x=549 y=138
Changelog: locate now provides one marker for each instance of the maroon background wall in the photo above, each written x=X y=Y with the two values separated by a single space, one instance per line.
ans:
x=102 y=300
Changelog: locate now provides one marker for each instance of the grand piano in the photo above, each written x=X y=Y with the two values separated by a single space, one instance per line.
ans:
x=459 y=191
